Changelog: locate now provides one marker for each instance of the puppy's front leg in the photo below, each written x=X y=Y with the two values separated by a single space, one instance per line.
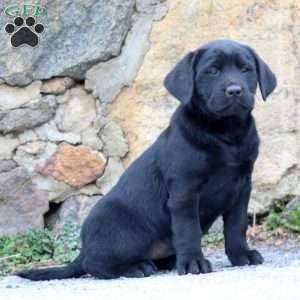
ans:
x=187 y=234
x=235 y=228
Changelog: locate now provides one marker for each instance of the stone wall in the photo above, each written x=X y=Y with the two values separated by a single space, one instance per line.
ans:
x=270 y=27
x=89 y=98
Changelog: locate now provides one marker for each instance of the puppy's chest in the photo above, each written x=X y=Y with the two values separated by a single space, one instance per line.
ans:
x=223 y=187
x=239 y=156
x=229 y=175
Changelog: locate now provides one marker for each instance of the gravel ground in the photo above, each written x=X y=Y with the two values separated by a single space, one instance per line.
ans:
x=278 y=278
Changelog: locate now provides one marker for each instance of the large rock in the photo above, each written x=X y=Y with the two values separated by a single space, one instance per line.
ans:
x=76 y=166
x=273 y=164
x=35 y=114
x=66 y=47
x=144 y=109
x=107 y=79
x=22 y=205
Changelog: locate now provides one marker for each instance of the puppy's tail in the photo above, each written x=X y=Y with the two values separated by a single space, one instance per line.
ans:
x=72 y=270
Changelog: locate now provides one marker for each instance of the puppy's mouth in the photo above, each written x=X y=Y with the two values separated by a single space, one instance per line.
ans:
x=236 y=106
x=244 y=104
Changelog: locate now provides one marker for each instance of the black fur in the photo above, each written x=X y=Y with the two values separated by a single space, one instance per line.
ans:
x=198 y=169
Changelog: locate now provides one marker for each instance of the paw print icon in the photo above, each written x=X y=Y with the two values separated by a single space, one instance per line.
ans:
x=24 y=32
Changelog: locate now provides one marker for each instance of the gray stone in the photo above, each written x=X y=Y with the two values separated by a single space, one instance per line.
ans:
x=113 y=171
x=157 y=8
x=262 y=200
x=62 y=99
x=90 y=138
x=147 y=6
x=56 y=191
x=8 y=145
x=217 y=226
x=57 y=86
x=75 y=208
x=27 y=136
x=22 y=205
x=294 y=204
x=33 y=148
x=77 y=34
x=99 y=122
x=14 y=97
x=107 y=79
x=7 y=165
x=115 y=144
x=21 y=119
x=78 y=113
x=34 y=155
x=89 y=190
x=50 y=132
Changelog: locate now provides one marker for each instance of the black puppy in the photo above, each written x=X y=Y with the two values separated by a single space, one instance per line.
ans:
x=198 y=169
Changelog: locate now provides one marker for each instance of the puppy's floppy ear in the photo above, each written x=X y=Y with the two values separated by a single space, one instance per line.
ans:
x=180 y=81
x=266 y=78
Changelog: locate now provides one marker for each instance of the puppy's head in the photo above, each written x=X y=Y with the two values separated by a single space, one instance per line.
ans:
x=221 y=78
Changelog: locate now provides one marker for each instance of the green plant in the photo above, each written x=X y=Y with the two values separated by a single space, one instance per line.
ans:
x=282 y=216
x=35 y=246
x=273 y=220
x=213 y=238
x=291 y=220
x=67 y=242
x=39 y=247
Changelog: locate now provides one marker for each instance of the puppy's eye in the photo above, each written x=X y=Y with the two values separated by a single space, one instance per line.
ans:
x=213 y=71
x=245 y=69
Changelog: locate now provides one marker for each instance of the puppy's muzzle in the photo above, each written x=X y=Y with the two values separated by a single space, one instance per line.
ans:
x=236 y=95
x=234 y=91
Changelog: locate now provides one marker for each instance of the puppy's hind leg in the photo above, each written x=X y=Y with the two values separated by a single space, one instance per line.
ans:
x=103 y=270
x=99 y=268
x=143 y=269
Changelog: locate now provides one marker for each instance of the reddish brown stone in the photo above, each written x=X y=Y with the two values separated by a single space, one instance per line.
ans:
x=75 y=165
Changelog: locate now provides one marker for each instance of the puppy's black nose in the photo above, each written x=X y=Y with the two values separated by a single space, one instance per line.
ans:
x=233 y=90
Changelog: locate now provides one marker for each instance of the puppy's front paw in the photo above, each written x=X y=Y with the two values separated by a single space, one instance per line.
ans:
x=251 y=257
x=193 y=265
